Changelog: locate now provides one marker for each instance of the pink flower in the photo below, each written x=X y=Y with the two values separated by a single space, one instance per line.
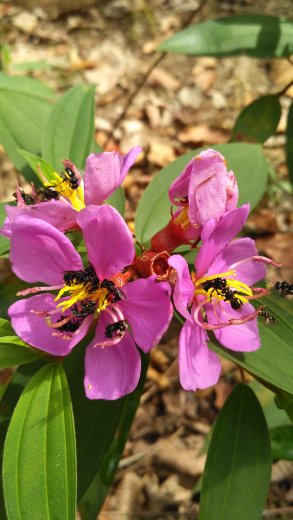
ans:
x=217 y=298
x=204 y=190
x=136 y=313
x=68 y=193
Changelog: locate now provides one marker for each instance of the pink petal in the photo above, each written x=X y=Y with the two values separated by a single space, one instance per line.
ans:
x=55 y=212
x=148 y=308
x=40 y=252
x=249 y=272
x=104 y=172
x=111 y=372
x=108 y=239
x=179 y=188
x=199 y=367
x=34 y=330
x=241 y=338
x=184 y=288
x=207 y=192
x=216 y=235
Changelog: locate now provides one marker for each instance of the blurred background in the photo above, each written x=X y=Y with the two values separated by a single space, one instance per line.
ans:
x=168 y=104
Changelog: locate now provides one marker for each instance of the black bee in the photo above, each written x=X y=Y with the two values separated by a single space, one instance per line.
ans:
x=116 y=329
x=116 y=293
x=28 y=199
x=217 y=284
x=84 y=309
x=70 y=177
x=268 y=317
x=229 y=296
x=70 y=326
x=284 y=288
x=80 y=276
x=47 y=193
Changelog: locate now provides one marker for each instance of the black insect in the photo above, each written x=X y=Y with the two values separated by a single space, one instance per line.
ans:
x=70 y=177
x=116 y=329
x=47 y=193
x=229 y=296
x=268 y=317
x=70 y=326
x=114 y=291
x=84 y=309
x=28 y=199
x=217 y=284
x=87 y=276
x=284 y=288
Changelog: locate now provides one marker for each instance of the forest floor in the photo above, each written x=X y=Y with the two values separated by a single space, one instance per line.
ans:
x=169 y=104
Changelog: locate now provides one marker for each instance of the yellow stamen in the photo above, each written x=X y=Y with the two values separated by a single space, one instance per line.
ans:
x=80 y=292
x=236 y=285
x=183 y=219
x=76 y=196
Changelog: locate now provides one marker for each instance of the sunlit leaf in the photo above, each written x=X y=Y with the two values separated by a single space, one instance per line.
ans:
x=25 y=105
x=38 y=165
x=258 y=121
x=70 y=128
x=238 y=467
x=259 y=36
x=39 y=463
x=273 y=362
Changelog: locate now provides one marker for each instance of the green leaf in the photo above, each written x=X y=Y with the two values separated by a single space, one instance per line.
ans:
x=4 y=241
x=284 y=401
x=258 y=121
x=95 y=495
x=246 y=160
x=289 y=142
x=273 y=414
x=96 y=421
x=238 y=467
x=259 y=36
x=39 y=463
x=282 y=442
x=70 y=128
x=25 y=104
x=38 y=165
x=13 y=351
x=8 y=402
x=273 y=361
x=117 y=200
x=6 y=328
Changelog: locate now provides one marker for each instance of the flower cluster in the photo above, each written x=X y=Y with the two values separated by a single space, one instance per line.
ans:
x=124 y=301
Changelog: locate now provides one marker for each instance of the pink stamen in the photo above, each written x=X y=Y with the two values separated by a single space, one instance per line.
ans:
x=265 y=260
x=260 y=293
x=58 y=323
x=63 y=335
x=232 y=321
x=34 y=290
x=41 y=314
x=109 y=342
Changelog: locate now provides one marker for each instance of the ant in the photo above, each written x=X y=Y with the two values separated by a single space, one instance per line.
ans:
x=284 y=288
x=268 y=317
x=116 y=329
